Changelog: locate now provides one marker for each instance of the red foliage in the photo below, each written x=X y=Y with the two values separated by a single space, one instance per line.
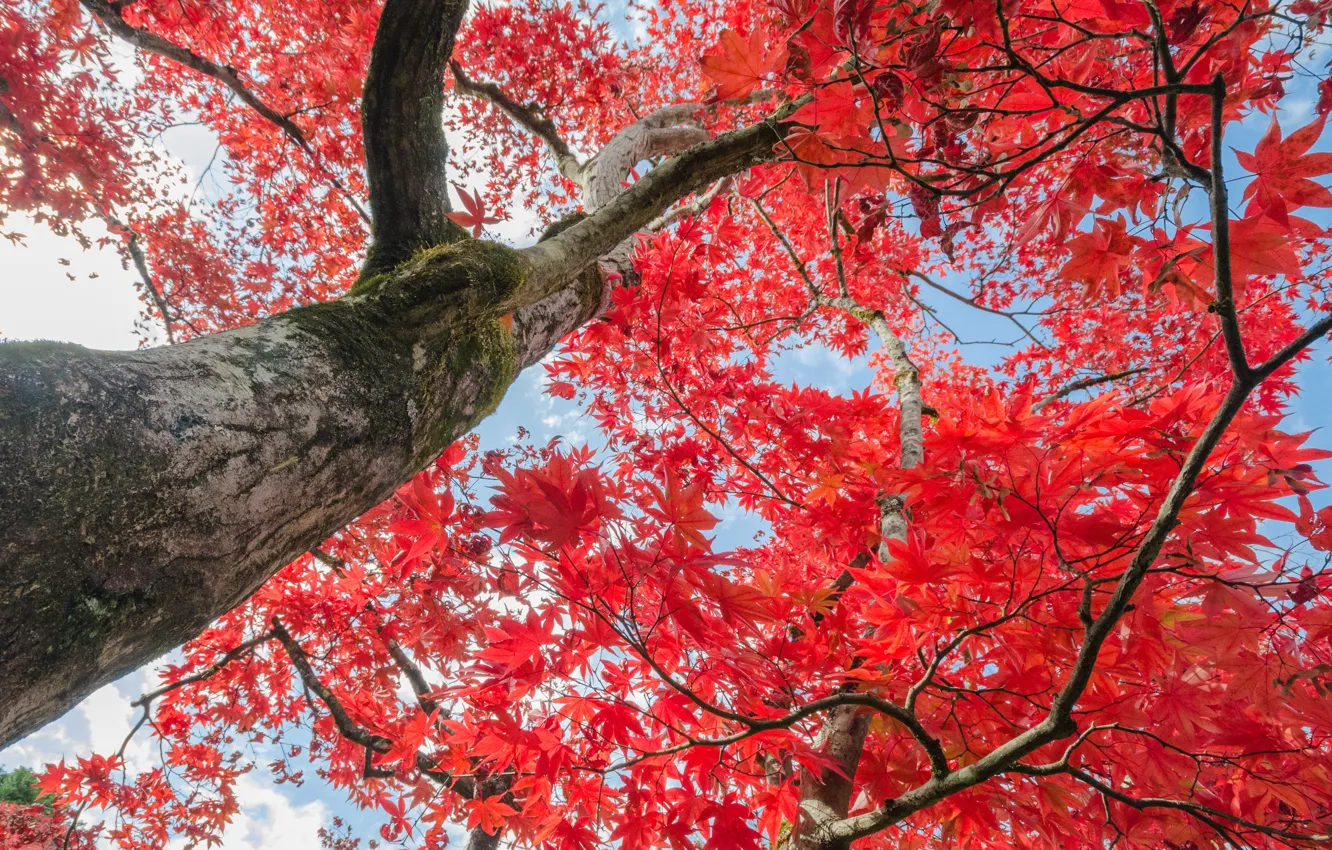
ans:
x=580 y=649
x=36 y=828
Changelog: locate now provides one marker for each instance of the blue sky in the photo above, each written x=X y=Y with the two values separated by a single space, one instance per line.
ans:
x=38 y=300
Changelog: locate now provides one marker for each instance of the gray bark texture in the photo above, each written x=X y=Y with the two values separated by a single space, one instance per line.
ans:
x=146 y=493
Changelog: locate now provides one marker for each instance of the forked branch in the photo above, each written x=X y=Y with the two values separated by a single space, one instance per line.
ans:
x=529 y=117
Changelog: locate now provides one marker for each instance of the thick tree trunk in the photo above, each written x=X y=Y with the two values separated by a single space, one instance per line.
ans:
x=146 y=493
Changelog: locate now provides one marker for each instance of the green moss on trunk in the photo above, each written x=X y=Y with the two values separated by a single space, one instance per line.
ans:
x=438 y=314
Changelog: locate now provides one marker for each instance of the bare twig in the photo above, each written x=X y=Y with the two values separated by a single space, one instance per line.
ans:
x=1083 y=384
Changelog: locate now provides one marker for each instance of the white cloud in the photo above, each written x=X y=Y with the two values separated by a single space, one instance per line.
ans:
x=42 y=299
x=269 y=821
x=46 y=746
x=110 y=718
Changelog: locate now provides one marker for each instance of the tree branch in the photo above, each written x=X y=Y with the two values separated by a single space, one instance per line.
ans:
x=550 y=264
x=402 y=124
x=401 y=659
x=110 y=16
x=348 y=728
x=1059 y=722
x=1207 y=814
x=1084 y=384
x=1224 y=307
x=149 y=492
x=825 y=797
x=145 y=701
x=527 y=116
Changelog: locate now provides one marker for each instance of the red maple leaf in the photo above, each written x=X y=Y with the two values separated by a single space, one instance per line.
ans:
x=1100 y=257
x=488 y=814
x=1261 y=246
x=737 y=68
x=475 y=217
x=682 y=507
x=1282 y=169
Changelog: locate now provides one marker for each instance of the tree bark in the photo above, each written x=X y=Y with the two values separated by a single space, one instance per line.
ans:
x=825 y=798
x=402 y=124
x=147 y=493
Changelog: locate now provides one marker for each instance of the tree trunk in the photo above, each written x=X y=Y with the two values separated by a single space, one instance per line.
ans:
x=826 y=797
x=146 y=493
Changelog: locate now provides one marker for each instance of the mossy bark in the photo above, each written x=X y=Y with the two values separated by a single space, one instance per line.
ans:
x=147 y=493
x=405 y=148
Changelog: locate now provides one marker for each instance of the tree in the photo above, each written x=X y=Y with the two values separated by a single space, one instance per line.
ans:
x=18 y=786
x=987 y=609
x=28 y=821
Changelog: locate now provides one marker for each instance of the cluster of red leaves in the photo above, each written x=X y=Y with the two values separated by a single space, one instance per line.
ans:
x=38 y=828
x=562 y=58
x=583 y=647
x=68 y=157
x=81 y=132
x=561 y=617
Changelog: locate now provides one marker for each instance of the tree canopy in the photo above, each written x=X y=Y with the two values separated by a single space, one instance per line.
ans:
x=1075 y=593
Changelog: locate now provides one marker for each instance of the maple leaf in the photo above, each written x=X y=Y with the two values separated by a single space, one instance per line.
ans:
x=636 y=833
x=412 y=738
x=836 y=110
x=399 y=821
x=1100 y=257
x=58 y=780
x=429 y=529
x=488 y=814
x=851 y=21
x=551 y=504
x=475 y=215
x=1059 y=209
x=827 y=487
x=1315 y=525
x=911 y=562
x=1259 y=245
x=730 y=826
x=737 y=68
x=682 y=507
x=1282 y=169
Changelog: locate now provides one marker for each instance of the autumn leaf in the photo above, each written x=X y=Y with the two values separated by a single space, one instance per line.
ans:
x=1057 y=209
x=827 y=487
x=1259 y=245
x=1101 y=257
x=1282 y=169
x=738 y=68
x=835 y=111
x=475 y=216
x=682 y=507
x=488 y=814
x=911 y=563
x=851 y=22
